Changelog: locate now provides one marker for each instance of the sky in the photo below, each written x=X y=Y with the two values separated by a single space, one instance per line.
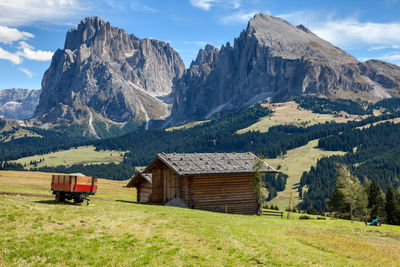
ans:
x=32 y=30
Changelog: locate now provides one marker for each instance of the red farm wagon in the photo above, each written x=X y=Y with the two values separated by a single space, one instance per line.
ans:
x=73 y=186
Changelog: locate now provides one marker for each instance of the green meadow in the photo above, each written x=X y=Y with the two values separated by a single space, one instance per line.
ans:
x=294 y=163
x=81 y=155
x=116 y=231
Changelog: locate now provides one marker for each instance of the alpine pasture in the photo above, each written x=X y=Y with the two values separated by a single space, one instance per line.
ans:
x=115 y=230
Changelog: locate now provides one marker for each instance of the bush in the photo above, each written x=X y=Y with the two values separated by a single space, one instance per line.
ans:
x=305 y=217
x=321 y=218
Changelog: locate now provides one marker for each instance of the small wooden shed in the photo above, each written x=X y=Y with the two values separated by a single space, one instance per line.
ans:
x=143 y=183
x=209 y=181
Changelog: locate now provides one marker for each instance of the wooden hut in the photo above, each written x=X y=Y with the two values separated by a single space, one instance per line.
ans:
x=209 y=181
x=143 y=183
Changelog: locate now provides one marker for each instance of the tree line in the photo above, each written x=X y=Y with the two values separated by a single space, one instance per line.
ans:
x=363 y=201
x=374 y=153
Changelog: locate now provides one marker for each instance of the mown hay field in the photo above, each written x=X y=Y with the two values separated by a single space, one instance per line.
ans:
x=289 y=113
x=294 y=163
x=80 y=155
x=115 y=231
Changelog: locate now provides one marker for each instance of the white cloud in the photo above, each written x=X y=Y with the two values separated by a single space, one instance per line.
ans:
x=349 y=32
x=27 y=72
x=390 y=57
x=376 y=48
x=136 y=6
x=16 y=59
x=9 y=35
x=203 y=4
x=239 y=17
x=207 y=4
x=27 y=51
x=23 y=12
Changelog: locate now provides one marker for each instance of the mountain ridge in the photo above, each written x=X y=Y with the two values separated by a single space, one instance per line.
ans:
x=104 y=74
x=17 y=103
x=274 y=60
x=106 y=79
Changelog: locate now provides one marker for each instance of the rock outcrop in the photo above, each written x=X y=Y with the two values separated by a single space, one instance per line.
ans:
x=274 y=60
x=104 y=74
x=18 y=103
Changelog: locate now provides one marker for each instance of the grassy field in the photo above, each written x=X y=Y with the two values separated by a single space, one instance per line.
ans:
x=80 y=155
x=294 y=163
x=20 y=133
x=291 y=113
x=115 y=231
x=395 y=120
x=186 y=126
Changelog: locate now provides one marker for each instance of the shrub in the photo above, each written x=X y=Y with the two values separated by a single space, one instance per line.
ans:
x=305 y=217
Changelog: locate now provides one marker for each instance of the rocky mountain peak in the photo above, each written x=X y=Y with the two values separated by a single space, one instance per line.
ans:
x=104 y=74
x=290 y=42
x=18 y=103
x=206 y=55
x=275 y=61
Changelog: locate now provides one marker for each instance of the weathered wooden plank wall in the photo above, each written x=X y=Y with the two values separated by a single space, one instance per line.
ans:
x=232 y=193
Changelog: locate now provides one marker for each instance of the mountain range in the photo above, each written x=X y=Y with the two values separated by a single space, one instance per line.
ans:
x=104 y=78
x=18 y=103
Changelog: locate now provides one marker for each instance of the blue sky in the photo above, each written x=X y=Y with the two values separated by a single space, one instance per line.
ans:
x=31 y=30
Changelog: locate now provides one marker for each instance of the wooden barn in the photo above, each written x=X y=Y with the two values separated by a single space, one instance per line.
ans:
x=142 y=181
x=209 y=181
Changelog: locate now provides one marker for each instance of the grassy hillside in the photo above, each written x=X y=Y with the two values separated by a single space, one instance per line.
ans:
x=115 y=231
x=294 y=163
x=17 y=134
x=289 y=113
x=187 y=125
x=81 y=155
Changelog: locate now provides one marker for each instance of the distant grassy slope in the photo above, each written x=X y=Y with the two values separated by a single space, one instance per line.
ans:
x=186 y=126
x=37 y=231
x=294 y=163
x=291 y=113
x=80 y=155
x=20 y=133
x=396 y=120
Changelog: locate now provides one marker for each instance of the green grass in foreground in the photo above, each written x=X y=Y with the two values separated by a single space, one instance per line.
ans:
x=36 y=231
x=294 y=163
x=80 y=155
x=115 y=231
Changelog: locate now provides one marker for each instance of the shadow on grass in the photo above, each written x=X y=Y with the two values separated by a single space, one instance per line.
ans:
x=138 y=203
x=53 y=202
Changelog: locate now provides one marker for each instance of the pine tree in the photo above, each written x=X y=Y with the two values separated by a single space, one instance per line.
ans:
x=376 y=201
x=349 y=198
x=391 y=206
x=258 y=174
x=337 y=204
x=397 y=195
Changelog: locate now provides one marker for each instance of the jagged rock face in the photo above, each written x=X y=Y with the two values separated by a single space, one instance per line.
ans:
x=18 y=103
x=103 y=72
x=275 y=60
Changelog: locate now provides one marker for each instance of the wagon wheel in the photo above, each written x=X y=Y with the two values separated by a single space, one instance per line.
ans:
x=57 y=196
x=78 y=200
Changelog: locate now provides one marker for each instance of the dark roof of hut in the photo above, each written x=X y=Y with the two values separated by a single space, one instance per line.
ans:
x=209 y=163
x=138 y=178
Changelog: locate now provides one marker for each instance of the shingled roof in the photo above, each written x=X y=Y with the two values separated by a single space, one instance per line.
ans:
x=190 y=164
x=138 y=178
